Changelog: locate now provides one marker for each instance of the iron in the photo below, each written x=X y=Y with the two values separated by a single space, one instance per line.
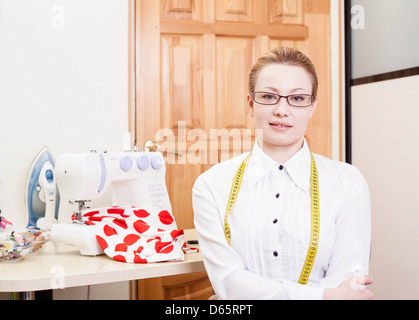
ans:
x=41 y=194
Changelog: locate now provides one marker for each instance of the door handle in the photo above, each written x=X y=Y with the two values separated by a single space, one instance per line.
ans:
x=154 y=146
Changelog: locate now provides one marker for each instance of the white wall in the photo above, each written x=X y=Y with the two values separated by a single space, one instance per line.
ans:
x=63 y=84
x=385 y=149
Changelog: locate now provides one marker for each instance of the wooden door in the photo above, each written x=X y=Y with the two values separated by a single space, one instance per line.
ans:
x=192 y=63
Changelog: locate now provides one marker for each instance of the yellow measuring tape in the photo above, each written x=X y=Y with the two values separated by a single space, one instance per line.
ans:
x=234 y=192
x=315 y=215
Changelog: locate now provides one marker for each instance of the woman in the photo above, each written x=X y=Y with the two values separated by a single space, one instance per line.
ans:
x=267 y=242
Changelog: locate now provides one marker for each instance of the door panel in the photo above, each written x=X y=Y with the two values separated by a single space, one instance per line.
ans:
x=233 y=63
x=286 y=11
x=181 y=88
x=234 y=10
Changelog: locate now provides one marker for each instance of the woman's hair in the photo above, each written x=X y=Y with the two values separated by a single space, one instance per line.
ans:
x=286 y=56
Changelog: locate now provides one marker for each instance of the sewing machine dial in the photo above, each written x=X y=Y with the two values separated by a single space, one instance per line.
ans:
x=143 y=162
x=156 y=162
x=125 y=163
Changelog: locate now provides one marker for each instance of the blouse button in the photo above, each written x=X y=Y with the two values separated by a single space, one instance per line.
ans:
x=275 y=253
x=281 y=167
x=275 y=221
x=277 y=195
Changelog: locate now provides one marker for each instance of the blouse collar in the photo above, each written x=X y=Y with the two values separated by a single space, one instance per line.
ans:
x=298 y=166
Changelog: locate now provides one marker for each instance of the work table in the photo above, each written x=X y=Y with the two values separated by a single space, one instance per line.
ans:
x=50 y=270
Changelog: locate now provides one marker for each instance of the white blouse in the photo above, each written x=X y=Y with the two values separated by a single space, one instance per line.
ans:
x=270 y=226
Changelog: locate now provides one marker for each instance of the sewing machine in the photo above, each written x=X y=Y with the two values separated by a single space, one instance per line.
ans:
x=136 y=178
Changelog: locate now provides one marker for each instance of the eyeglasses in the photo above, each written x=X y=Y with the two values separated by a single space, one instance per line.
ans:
x=295 y=100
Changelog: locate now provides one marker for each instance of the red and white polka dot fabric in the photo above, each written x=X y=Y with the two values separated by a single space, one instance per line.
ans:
x=130 y=234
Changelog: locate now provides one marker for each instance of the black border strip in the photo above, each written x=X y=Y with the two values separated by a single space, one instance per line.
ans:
x=386 y=76
x=348 y=82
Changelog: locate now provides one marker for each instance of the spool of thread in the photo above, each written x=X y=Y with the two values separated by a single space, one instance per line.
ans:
x=126 y=142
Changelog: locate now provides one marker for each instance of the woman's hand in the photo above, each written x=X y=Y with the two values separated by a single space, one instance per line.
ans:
x=352 y=289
